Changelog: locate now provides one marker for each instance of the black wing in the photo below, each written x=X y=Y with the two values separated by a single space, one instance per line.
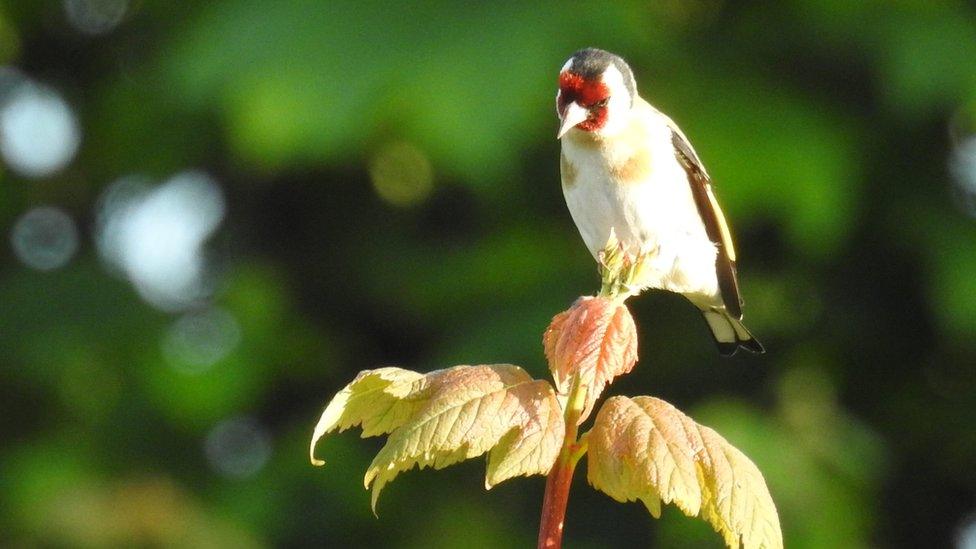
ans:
x=715 y=226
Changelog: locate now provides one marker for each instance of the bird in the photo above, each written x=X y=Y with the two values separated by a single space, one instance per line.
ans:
x=628 y=170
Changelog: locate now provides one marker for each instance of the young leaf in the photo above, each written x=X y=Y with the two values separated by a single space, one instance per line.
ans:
x=644 y=448
x=377 y=399
x=595 y=339
x=451 y=415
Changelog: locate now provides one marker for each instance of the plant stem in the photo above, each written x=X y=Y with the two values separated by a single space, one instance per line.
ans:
x=561 y=475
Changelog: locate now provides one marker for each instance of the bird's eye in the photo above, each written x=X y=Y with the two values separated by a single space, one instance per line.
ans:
x=601 y=103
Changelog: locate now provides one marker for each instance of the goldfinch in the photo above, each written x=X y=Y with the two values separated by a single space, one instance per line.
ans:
x=627 y=168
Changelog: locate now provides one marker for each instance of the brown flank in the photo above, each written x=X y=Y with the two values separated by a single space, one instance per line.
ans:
x=635 y=169
x=567 y=170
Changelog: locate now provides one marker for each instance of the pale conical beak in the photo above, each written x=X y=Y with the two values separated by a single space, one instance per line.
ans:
x=573 y=115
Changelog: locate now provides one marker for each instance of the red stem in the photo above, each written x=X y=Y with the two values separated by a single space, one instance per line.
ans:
x=561 y=475
x=554 y=502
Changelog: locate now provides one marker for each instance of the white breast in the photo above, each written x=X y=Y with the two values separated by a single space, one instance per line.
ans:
x=656 y=213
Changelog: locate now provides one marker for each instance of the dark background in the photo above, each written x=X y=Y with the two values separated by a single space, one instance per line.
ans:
x=218 y=212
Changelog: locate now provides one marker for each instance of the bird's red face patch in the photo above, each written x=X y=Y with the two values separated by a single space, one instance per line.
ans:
x=591 y=94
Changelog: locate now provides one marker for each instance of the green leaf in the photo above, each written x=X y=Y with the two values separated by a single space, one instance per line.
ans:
x=644 y=448
x=376 y=399
x=447 y=416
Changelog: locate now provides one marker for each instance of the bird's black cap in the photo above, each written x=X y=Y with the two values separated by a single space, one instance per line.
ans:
x=591 y=62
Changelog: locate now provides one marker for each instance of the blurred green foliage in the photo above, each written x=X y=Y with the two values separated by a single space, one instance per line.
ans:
x=829 y=126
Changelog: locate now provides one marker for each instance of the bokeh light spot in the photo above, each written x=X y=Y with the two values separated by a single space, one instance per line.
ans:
x=45 y=238
x=238 y=447
x=39 y=134
x=156 y=236
x=966 y=537
x=401 y=174
x=962 y=166
x=95 y=16
x=198 y=340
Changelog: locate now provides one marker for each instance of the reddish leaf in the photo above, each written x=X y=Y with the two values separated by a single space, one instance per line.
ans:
x=595 y=340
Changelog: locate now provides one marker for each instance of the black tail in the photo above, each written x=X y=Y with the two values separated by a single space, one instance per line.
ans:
x=730 y=334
